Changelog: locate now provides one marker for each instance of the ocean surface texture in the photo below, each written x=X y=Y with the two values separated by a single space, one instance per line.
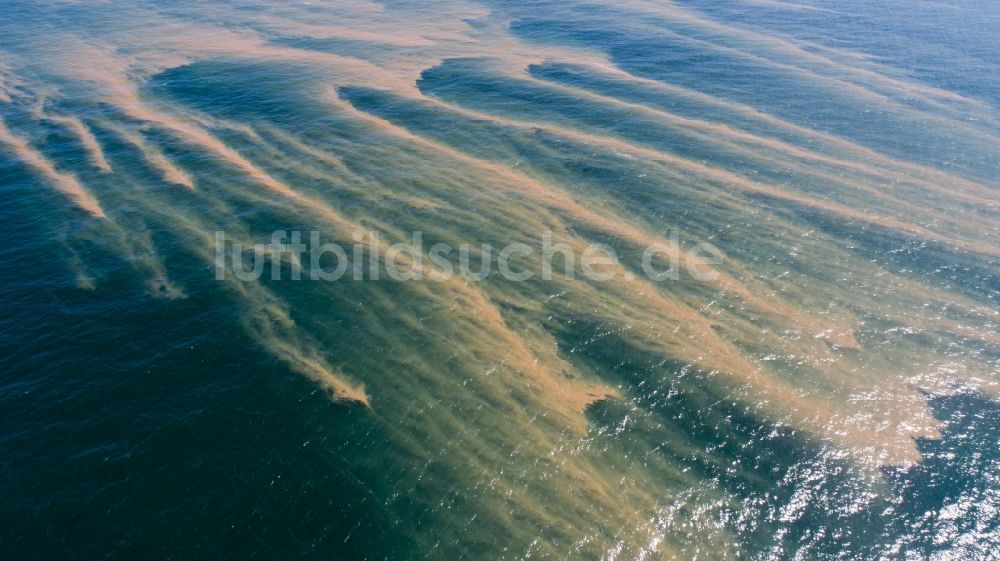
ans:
x=828 y=389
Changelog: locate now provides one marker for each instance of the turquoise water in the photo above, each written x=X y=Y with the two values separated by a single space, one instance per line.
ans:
x=830 y=393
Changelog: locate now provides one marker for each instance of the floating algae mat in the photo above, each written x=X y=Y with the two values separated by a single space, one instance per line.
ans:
x=535 y=279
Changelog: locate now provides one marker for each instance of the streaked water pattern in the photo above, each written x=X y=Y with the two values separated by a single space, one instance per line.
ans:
x=831 y=395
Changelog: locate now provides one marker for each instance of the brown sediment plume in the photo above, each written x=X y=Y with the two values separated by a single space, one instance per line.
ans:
x=835 y=84
x=517 y=180
x=493 y=335
x=393 y=38
x=65 y=183
x=322 y=156
x=136 y=244
x=327 y=167
x=267 y=319
x=130 y=239
x=83 y=279
x=313 y=367
x=836 y=332
x=787 y=47
x=565 y=396
x=210 y=122
x=569 y=399
x=196 y=135
x=694 y=339
x=559 y=199
x=725 y=136
x=269 y=322
x=925 y=176
x=156 y=158
x=195 y=42
x=111 y=75
x=708 y=349
x=736 y=140
x=126 y=98
x=83 y=133
x=701 y=344
x=118 y=89
x=732 y=179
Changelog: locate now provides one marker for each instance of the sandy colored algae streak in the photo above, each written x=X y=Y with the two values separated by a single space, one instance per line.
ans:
x=158 y=159
x=63 y=182
x=86 y=137
x=495 y=361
